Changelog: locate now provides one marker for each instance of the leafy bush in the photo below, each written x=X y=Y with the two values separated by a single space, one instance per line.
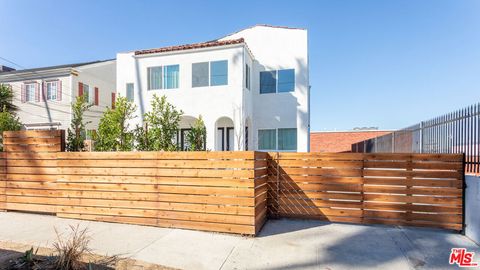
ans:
x=6 y=98
x=197 y=135
x=76 y=133
x=161 y=127
x=113 y=130
x=8 y=122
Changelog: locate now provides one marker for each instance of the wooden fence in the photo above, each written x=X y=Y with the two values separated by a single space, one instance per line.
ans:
x=229 y=191
x=396 y=189
x=212 y=191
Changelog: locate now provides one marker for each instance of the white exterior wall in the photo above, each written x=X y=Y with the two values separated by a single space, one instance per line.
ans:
x=43 y=111
x=212 y=102
x=265 y=48
x=472 y=206
x=273 y=49
x=103 y=76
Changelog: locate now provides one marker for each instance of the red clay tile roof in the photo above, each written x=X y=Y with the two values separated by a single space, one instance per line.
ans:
x=191 y=46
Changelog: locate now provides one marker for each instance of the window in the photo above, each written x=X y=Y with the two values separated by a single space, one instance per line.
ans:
x=286 y=80
x=287 y=139
x=268 y=82
x=52 y=90
x=267 y=139
x=130 y=91
x=247 y=76
x=171 y=76
x=200 y=74
x=30 y=92
x=219 y=73
x=154 y=78
x=277 y=81
x=86 y=93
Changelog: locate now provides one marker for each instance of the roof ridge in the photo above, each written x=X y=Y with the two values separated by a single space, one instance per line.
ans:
x=213 y=43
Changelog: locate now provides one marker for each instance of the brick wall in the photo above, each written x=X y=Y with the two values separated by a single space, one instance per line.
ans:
x=340 y=141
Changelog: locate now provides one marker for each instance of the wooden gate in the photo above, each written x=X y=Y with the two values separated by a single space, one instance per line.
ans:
x=397 y=189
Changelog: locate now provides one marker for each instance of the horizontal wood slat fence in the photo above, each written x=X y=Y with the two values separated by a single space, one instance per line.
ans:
x=228 y=191
x=397 y=189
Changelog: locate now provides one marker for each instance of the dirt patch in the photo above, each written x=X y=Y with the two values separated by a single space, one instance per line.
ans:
x=12 y=256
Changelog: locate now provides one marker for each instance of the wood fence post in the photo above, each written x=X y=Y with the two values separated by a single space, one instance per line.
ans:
x=409 y=181
x=277 y=192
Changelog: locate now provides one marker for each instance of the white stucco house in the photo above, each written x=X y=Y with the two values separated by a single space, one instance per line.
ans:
x=44 y=95
x=250 y=87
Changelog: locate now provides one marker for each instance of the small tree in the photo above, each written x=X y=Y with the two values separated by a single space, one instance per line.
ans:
x=6 y=98
x=113 y=130
x=8 y=122
x=197 y=135
x=161 y=126
x=76 y=133
x=142 y=139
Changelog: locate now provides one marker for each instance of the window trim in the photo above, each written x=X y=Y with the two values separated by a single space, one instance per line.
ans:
x=28 y=97
x=52 y=97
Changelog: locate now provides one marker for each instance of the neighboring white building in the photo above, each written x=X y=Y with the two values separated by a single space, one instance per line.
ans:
x=44 y=95
x=251 y=87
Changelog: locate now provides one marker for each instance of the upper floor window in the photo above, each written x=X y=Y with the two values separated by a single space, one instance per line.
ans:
x=52 y=90
x=30 y=91
x=268 y=82
x=163 y=77
x=200 y=74
x=86 y=93
x=171 y=76
x=154 y=78
x=129 y=91
x=247 y=76
x=210 y=73
x=219 y=73
x=277 y=81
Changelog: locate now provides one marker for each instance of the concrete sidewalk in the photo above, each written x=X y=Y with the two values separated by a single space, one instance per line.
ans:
x=282 y=244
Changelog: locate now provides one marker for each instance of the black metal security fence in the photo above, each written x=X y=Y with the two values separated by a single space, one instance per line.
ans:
x=455 y=132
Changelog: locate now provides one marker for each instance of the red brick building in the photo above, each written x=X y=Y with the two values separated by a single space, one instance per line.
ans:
x=340 y=141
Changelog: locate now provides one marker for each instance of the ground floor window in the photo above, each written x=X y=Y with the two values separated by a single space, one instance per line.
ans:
x=287 y=139
x=267 y=139
x=277 y=139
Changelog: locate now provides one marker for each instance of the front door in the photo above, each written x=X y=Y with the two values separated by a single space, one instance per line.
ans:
x=225 y=139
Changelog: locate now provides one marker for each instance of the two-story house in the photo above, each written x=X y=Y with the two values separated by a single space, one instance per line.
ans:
x=251 y=87
x=44 y=95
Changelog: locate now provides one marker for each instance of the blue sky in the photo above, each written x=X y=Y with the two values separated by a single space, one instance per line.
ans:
x=372 y=63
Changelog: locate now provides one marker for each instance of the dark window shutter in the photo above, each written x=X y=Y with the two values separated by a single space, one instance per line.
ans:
x=80 y=89
x=24 y=94
x=59 y=90
x=96 y=96
x=37 y=92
